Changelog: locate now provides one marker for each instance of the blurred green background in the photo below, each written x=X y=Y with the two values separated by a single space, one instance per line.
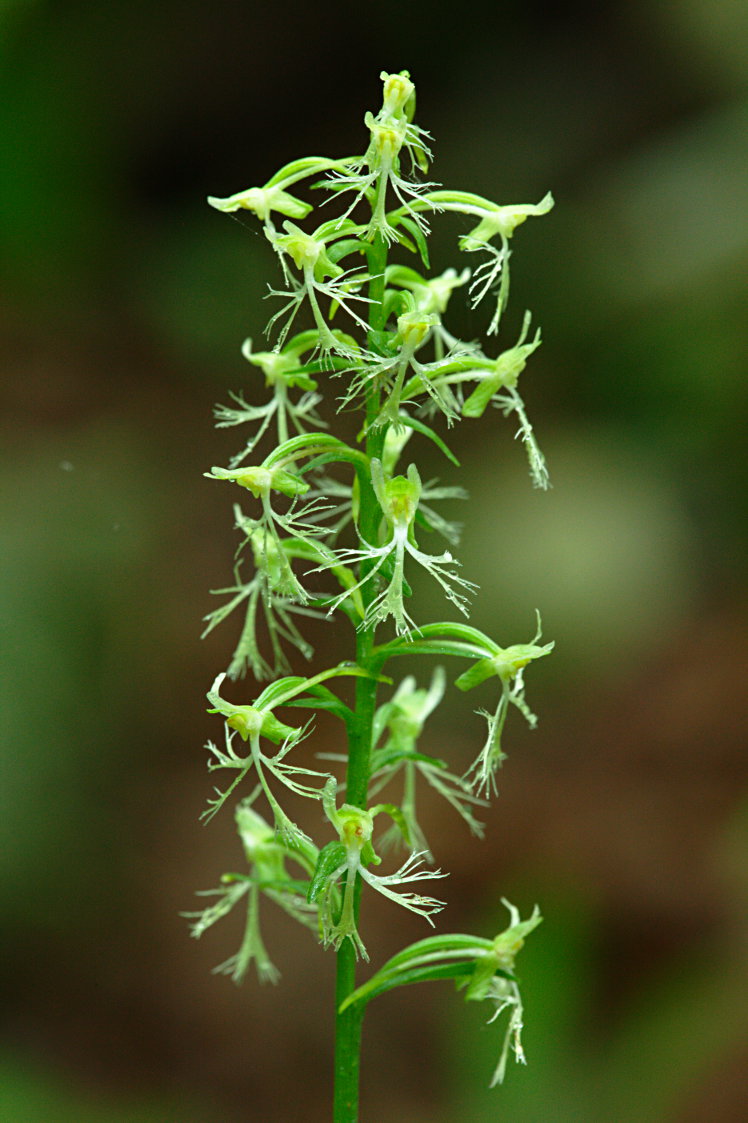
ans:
x=123 y=302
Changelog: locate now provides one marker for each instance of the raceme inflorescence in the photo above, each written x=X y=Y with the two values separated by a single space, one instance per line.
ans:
x=330 y=527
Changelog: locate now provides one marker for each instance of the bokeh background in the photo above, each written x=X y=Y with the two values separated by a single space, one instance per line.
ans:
x=123 y=302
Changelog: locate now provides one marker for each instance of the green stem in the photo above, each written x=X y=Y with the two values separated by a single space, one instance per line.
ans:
x=348 y=1024
x=347 y=1039
x=282 y=419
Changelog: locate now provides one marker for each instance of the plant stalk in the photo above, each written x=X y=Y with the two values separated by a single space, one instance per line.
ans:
x=348 y=1024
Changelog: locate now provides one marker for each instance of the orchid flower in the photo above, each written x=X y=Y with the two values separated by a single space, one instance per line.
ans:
x=431 y=297
x=387 y=372
x=274 y=196
x=403 y=719
x=350 y=857
x=508 y=664
x=261 y=481
x=390 y=131
x=494 y=222
x=257 y=722
x=270 y=594
x=282 y=374
x=398 y=498
x=321 y=276
x=497 y=385
x=483 y=968
x=267 y=857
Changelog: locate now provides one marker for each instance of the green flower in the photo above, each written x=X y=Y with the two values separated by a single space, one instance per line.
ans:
x=483 y=968
x=349 y=858
x=431 y=296
x=402 y=719
x=502 y=221
x=283 y=373
x=495 y=221
x=263 y=201
x=307 y=252
x=398 y=497
x=269 y=595
x=282 y=368
x=262 y=480
x=252 y=723
x=387 y=372
x=493 y=981
x=501 y=373
x=390 y=132
x=267 y=857
x=508 y=665
x=321 y=277
x=257 y=721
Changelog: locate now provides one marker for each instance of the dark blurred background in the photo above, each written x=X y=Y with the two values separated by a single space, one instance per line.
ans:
x=123 y=304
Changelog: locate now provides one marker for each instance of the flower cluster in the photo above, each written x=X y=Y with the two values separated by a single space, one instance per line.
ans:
x=334 y=527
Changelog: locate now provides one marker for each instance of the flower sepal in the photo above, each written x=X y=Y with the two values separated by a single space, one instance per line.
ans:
x=261 y=480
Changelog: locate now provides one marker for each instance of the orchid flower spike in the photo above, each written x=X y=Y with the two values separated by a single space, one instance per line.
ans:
x=355 y=509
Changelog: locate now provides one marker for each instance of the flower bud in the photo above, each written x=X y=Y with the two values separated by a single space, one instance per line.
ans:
x=262 y=200
x=261 y=481
x=398 y=91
